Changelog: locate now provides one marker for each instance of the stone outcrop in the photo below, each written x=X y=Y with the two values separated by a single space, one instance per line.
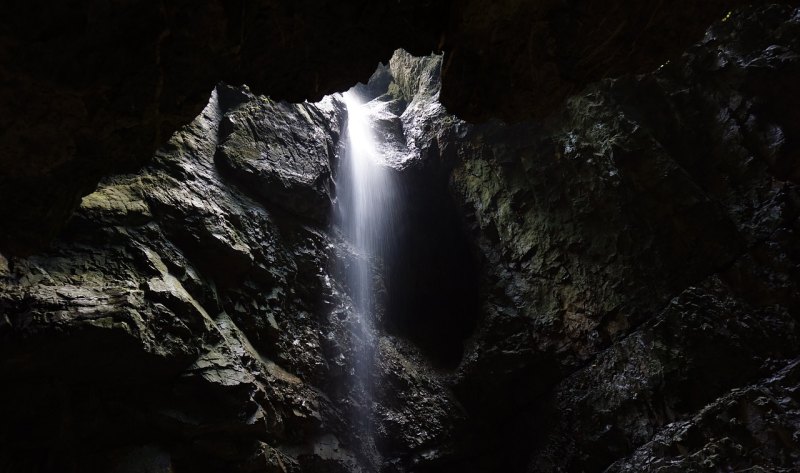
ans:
x=611 y=289
x=192 y=318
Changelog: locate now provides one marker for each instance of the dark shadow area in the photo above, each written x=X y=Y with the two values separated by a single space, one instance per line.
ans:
x=433 y=276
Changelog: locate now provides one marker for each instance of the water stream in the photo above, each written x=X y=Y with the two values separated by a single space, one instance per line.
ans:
x=366 y=192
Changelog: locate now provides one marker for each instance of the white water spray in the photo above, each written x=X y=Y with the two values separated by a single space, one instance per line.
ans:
x=369 y=210
x=366 y=211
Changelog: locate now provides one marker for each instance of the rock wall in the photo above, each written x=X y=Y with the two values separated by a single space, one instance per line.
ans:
x=613 y=289
x=174 y=321
x=641 y=267
x=192 y=316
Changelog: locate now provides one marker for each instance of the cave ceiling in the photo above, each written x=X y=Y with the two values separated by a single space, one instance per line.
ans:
x=92 y=88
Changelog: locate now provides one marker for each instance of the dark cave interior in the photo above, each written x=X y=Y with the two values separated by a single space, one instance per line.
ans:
x=433 y=278
x=594 y=264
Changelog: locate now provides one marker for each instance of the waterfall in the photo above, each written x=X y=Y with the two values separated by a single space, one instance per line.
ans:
x=365 y=212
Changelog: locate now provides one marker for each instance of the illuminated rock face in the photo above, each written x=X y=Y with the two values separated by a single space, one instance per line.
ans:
x=613 y=289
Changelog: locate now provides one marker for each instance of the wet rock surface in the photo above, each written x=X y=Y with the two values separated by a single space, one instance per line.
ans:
x=132 y=320
x=616 y=300
x=612 y=289
x=192 y=317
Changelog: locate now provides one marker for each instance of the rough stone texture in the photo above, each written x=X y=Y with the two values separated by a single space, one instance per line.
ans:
x=92 y=88
x=752 y=425
x=641 y=262
x=190 y=319
x=613 y=289
x=263 y=150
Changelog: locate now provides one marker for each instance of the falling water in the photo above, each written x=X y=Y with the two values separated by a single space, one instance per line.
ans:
x=365 y=210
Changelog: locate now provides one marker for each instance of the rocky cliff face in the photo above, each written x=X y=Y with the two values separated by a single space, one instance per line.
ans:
x=192 y=317
x=614 y=289
x=641 y=279
x=141 y=339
